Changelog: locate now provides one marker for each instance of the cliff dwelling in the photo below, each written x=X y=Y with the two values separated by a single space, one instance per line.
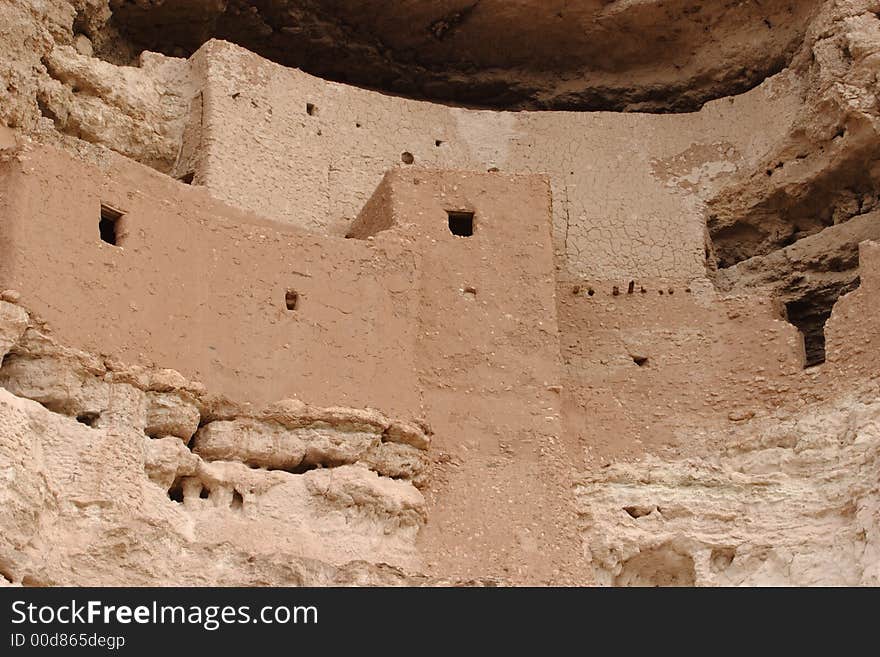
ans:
x=456 y=293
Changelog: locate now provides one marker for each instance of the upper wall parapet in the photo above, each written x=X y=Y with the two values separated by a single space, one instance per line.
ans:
x=310 y=152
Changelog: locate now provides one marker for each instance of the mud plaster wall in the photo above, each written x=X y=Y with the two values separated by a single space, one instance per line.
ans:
x=625 y=202
x=853 y=330
x=488 y=361
x=200 y=287
x=203 y=288
x=645 y=368
x=663 y=365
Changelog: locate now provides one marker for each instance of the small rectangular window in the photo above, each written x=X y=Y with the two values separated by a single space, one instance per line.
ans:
x=109 y=224
x=461 y=223
x=291 y=299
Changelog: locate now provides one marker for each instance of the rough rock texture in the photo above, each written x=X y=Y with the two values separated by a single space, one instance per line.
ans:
x=648 y=340
x=54 y=87
x=96 y=459
x=792 y=500
x=784 y=225
x=650 y=55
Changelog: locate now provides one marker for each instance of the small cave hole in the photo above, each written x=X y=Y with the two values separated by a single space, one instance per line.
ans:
x=237 y=501
x=591 y=292
x=108 y=224
x=187 y=178
x=205 y=493
x=470 y=290
x=461 y=223
x=641 y=361
x=438 y=143
x=89 y=418
x=311 y=110
x=175 y=493
x=407 y=158
x=291 y=299
x=639 y=511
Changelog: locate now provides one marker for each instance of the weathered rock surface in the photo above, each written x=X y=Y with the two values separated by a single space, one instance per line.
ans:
x=792 y=222
x=13 y=322
x=790 y=501
x=54 y=88
x=117 y=506
x=706 y=454
x=648 y=55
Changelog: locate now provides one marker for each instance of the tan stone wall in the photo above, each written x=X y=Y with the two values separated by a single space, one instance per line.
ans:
x=625 y=199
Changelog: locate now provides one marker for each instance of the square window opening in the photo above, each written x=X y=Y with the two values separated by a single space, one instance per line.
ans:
x=461 y=223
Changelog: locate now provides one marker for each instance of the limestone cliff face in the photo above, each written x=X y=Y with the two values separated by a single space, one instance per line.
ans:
x=793 y=500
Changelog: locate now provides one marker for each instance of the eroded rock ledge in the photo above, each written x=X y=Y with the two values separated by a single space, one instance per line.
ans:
x=791 y=500
x=100 y=461
x=651 y=55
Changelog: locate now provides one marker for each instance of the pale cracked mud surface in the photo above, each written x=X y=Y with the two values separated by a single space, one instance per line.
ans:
x=262 y=327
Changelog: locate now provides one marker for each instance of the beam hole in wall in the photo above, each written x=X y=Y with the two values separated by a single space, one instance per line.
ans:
x=89 y=418
x=438 y=143
x=291 y=299
x=461 y=223
x=641 y=361
x=311 y=110
x=205 y=493
x=407 y=158
x=108 y=225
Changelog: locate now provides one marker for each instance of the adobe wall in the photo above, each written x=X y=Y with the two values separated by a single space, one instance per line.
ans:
x=195 y=285
x=663 y=367
x=200 y=287
x=488 y=362
x=627 y=188
x=646 y=369
x=853 y=330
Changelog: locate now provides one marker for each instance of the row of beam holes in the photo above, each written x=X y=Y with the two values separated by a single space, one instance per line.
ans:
x=615 y=290
x=638 y=359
